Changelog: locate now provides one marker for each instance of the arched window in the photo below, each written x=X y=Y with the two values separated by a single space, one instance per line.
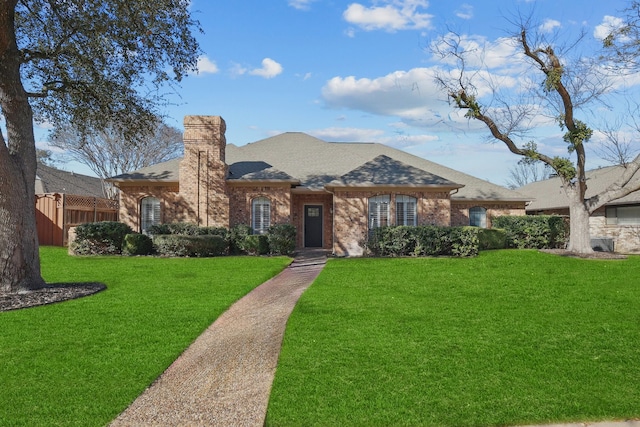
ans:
x=378 y=211
x=261 y=215
x=149 y=213
x=478 y=217
x=406 y=210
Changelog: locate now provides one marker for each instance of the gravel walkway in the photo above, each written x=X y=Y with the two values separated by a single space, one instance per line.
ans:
x=224 y=378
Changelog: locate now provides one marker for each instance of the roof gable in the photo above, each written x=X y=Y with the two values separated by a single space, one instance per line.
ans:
x=385 y=171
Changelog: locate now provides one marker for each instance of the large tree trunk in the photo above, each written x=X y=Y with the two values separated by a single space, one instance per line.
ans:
x=580 y=237
x=19 y=257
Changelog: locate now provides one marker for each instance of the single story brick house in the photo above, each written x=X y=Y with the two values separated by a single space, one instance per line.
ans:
x=615 y=226
x=333 y=193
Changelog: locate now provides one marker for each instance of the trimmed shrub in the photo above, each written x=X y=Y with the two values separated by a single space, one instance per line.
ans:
x=423 y=241
x=100 y=238
x=464 y=241
x=184 y=228
x=189 y=246
x=492 y=238
x=432 y=241
x=534 y=231
x=237 y=239
x=137 y=244
x=282 y=239
x=256 y=244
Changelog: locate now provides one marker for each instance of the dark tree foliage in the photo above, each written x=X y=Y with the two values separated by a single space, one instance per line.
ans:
x=90 y=64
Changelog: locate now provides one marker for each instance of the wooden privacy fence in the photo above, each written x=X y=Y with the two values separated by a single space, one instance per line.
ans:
x=56 y=213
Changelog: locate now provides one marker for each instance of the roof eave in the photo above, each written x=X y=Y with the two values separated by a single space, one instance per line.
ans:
x=365 y=185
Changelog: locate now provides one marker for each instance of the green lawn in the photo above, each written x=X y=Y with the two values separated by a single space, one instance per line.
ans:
x=507 y=338
x=82 y=362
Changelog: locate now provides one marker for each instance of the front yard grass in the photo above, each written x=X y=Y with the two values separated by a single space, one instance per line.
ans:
x=82 y=362
x=507 y=338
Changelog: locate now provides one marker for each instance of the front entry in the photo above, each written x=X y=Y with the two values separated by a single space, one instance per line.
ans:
x=313 y=226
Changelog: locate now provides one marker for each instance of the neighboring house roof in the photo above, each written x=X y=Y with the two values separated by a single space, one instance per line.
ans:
x=548 y=194
x=52 y=180
x=316 y=163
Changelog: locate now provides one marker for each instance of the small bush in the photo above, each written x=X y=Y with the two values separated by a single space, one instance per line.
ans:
x=189 y=246
x=282 y=239
x=534 y=231
x=491 y=238
x=464 y=241
x=237 y=239
x=100 y=238
x=256 y=244
x=137 y=244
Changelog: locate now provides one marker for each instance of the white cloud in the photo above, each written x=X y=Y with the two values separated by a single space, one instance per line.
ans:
x=270 y=69
x=301 y=4
x=608 y=25
x=410 y=95
x=237 y=70
x=392 y=16
x=549 y=25
x=465 y=11
x=480 y=52
x=206 y=66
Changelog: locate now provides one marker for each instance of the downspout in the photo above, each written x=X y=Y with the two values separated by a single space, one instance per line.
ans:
x=333 y=220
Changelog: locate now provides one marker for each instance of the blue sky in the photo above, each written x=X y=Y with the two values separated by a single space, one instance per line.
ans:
x=361 y=71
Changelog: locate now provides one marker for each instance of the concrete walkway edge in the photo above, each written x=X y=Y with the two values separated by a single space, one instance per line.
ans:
x=224 y=378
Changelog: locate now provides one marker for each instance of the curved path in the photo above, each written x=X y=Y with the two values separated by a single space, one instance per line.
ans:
x=225 y=376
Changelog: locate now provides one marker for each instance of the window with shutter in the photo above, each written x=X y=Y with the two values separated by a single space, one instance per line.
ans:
x=149 y=213
x=261 y=208
x=406 y=210
x=378 y=211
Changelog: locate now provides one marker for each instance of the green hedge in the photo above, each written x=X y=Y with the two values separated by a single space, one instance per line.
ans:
x=492 y=238
x=534 y=231
x=100 y=238
x=255 y=244
x=282 y=239
x=137 y=244
x=424 y=241
x=189 y=246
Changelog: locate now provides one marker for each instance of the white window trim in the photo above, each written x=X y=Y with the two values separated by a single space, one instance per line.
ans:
x=483 y=218
x=378 y=210
x=150 y=212
x=409 y=210
x=260 y=220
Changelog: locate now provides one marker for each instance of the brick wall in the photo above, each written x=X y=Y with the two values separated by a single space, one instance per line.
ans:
x=351 y=212
x=173 y=208
x=460 y=211
x=203 y=171
x=241 y=197
x=626 y=238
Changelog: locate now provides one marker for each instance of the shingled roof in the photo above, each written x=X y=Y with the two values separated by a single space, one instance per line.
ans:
x=315 y=163
x=548 y=194
x=387 y=172
x=52 y=180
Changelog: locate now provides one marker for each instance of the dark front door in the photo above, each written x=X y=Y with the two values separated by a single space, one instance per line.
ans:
x=313 y=226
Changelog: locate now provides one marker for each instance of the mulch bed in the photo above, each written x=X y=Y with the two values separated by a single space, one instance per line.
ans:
x=52 y=293
x=593 y=255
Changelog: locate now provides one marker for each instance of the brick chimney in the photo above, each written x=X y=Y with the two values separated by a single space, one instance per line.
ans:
x=203 y=171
